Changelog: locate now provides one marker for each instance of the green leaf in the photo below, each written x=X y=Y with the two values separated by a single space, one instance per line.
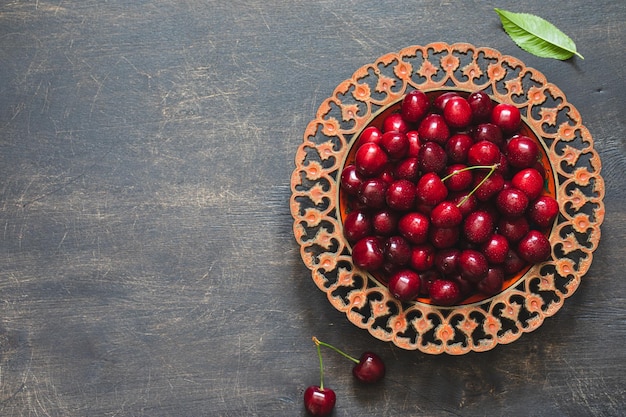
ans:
x=537 y=36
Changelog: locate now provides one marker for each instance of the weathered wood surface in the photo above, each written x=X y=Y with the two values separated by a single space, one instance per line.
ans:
x=148 y=266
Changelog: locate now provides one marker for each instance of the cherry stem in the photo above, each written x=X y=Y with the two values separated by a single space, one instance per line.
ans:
x=345 y=355
x=492 y=167
x=491 y=171
x=319 y=355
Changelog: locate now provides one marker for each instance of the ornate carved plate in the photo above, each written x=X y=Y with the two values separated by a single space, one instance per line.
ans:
x=478 y=324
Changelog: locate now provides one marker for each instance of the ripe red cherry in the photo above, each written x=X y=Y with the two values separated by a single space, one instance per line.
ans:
x=441 y=100
x=384 y=222
x=458 y=178
x=513 y=228
x=507 y=117
x=369 y=134
x=513 y=263
x=430 y=189
x=489 y=132
x=481 y=106
x=368 y=253
x=370 y=159
x=434 y=128
x=534 y=247
x=319 y=402
x=495 y=248
x=444 y=237
x=395 y=123
x=369 y=369
x=483 y=153
x=543 y=211
x=414 y=227
x=444 y=292
x=397 y=250
x=446 y=214
x=530 y=181
x=415 y=143
x=489 y=187
x=491 y=284
x=457 y=112
x=472 y=265
x=422 y=257
x=357 y=225
x=351 y=180
x=522 y=152
x=373 y=193
x=401 y=195
x=396 y=144
x=511 y=202
x=458 y=146
x=432 y=157
x=478 y=226
x=415 y=105
x=405 y=285
x=446 y=261
x=407 y=169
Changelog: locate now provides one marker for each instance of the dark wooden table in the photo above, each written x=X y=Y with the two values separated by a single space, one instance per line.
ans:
x=148 y=265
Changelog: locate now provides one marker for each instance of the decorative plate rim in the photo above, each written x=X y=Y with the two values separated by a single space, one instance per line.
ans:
x=478 y=326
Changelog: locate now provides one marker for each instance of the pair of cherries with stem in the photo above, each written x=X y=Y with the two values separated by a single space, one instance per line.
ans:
x=319 y=401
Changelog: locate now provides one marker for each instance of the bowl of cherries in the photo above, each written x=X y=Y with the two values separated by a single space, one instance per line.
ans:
x=447 y=198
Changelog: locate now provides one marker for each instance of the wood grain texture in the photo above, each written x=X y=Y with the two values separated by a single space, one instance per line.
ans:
x=148 y=264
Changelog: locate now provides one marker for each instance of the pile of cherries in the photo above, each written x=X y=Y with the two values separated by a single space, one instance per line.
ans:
x=446 y=199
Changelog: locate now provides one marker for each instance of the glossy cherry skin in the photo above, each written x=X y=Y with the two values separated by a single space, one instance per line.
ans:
x=397 y=250
x=457 y=112
x=446 y=214
x=522 y=152
x=434 y=128
x=422 y=257
x=512 y=202
x=489 y=187
x=534 y=247
x=405 y=285
x=415 y=105
x=444 y=292
x=357 y=225
x=384 y=222
x=432 y=157
x=396 y=144
x=457 y=178
x=472 y=265
x=481 y=106
x=530 y=181
x=513 y=263
x=491 y=284
x=513 y=228
x=495 y=249
x=370 y=159
x=415 y=143
x=407 y=169
x=543 y=211
x=446 y=261
x=441 y=100
x=414 y=227
x=369 y=134
x=395 y=123
x=478 y=226
x=458 y=146
x=370 y=368
x=483 y=153
x=351 y=180
x=488 y=132
x=401 y=195
x=507 y=117
x=373 y=193
x=319 y=402
x=368 y=253
x=444 y=237
x=430 y=189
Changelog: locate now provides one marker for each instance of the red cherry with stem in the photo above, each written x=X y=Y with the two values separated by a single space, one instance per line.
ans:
x=318 y=400
x=458 y=178
x=446 y=214
x=369 y=368
x=430 y=189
